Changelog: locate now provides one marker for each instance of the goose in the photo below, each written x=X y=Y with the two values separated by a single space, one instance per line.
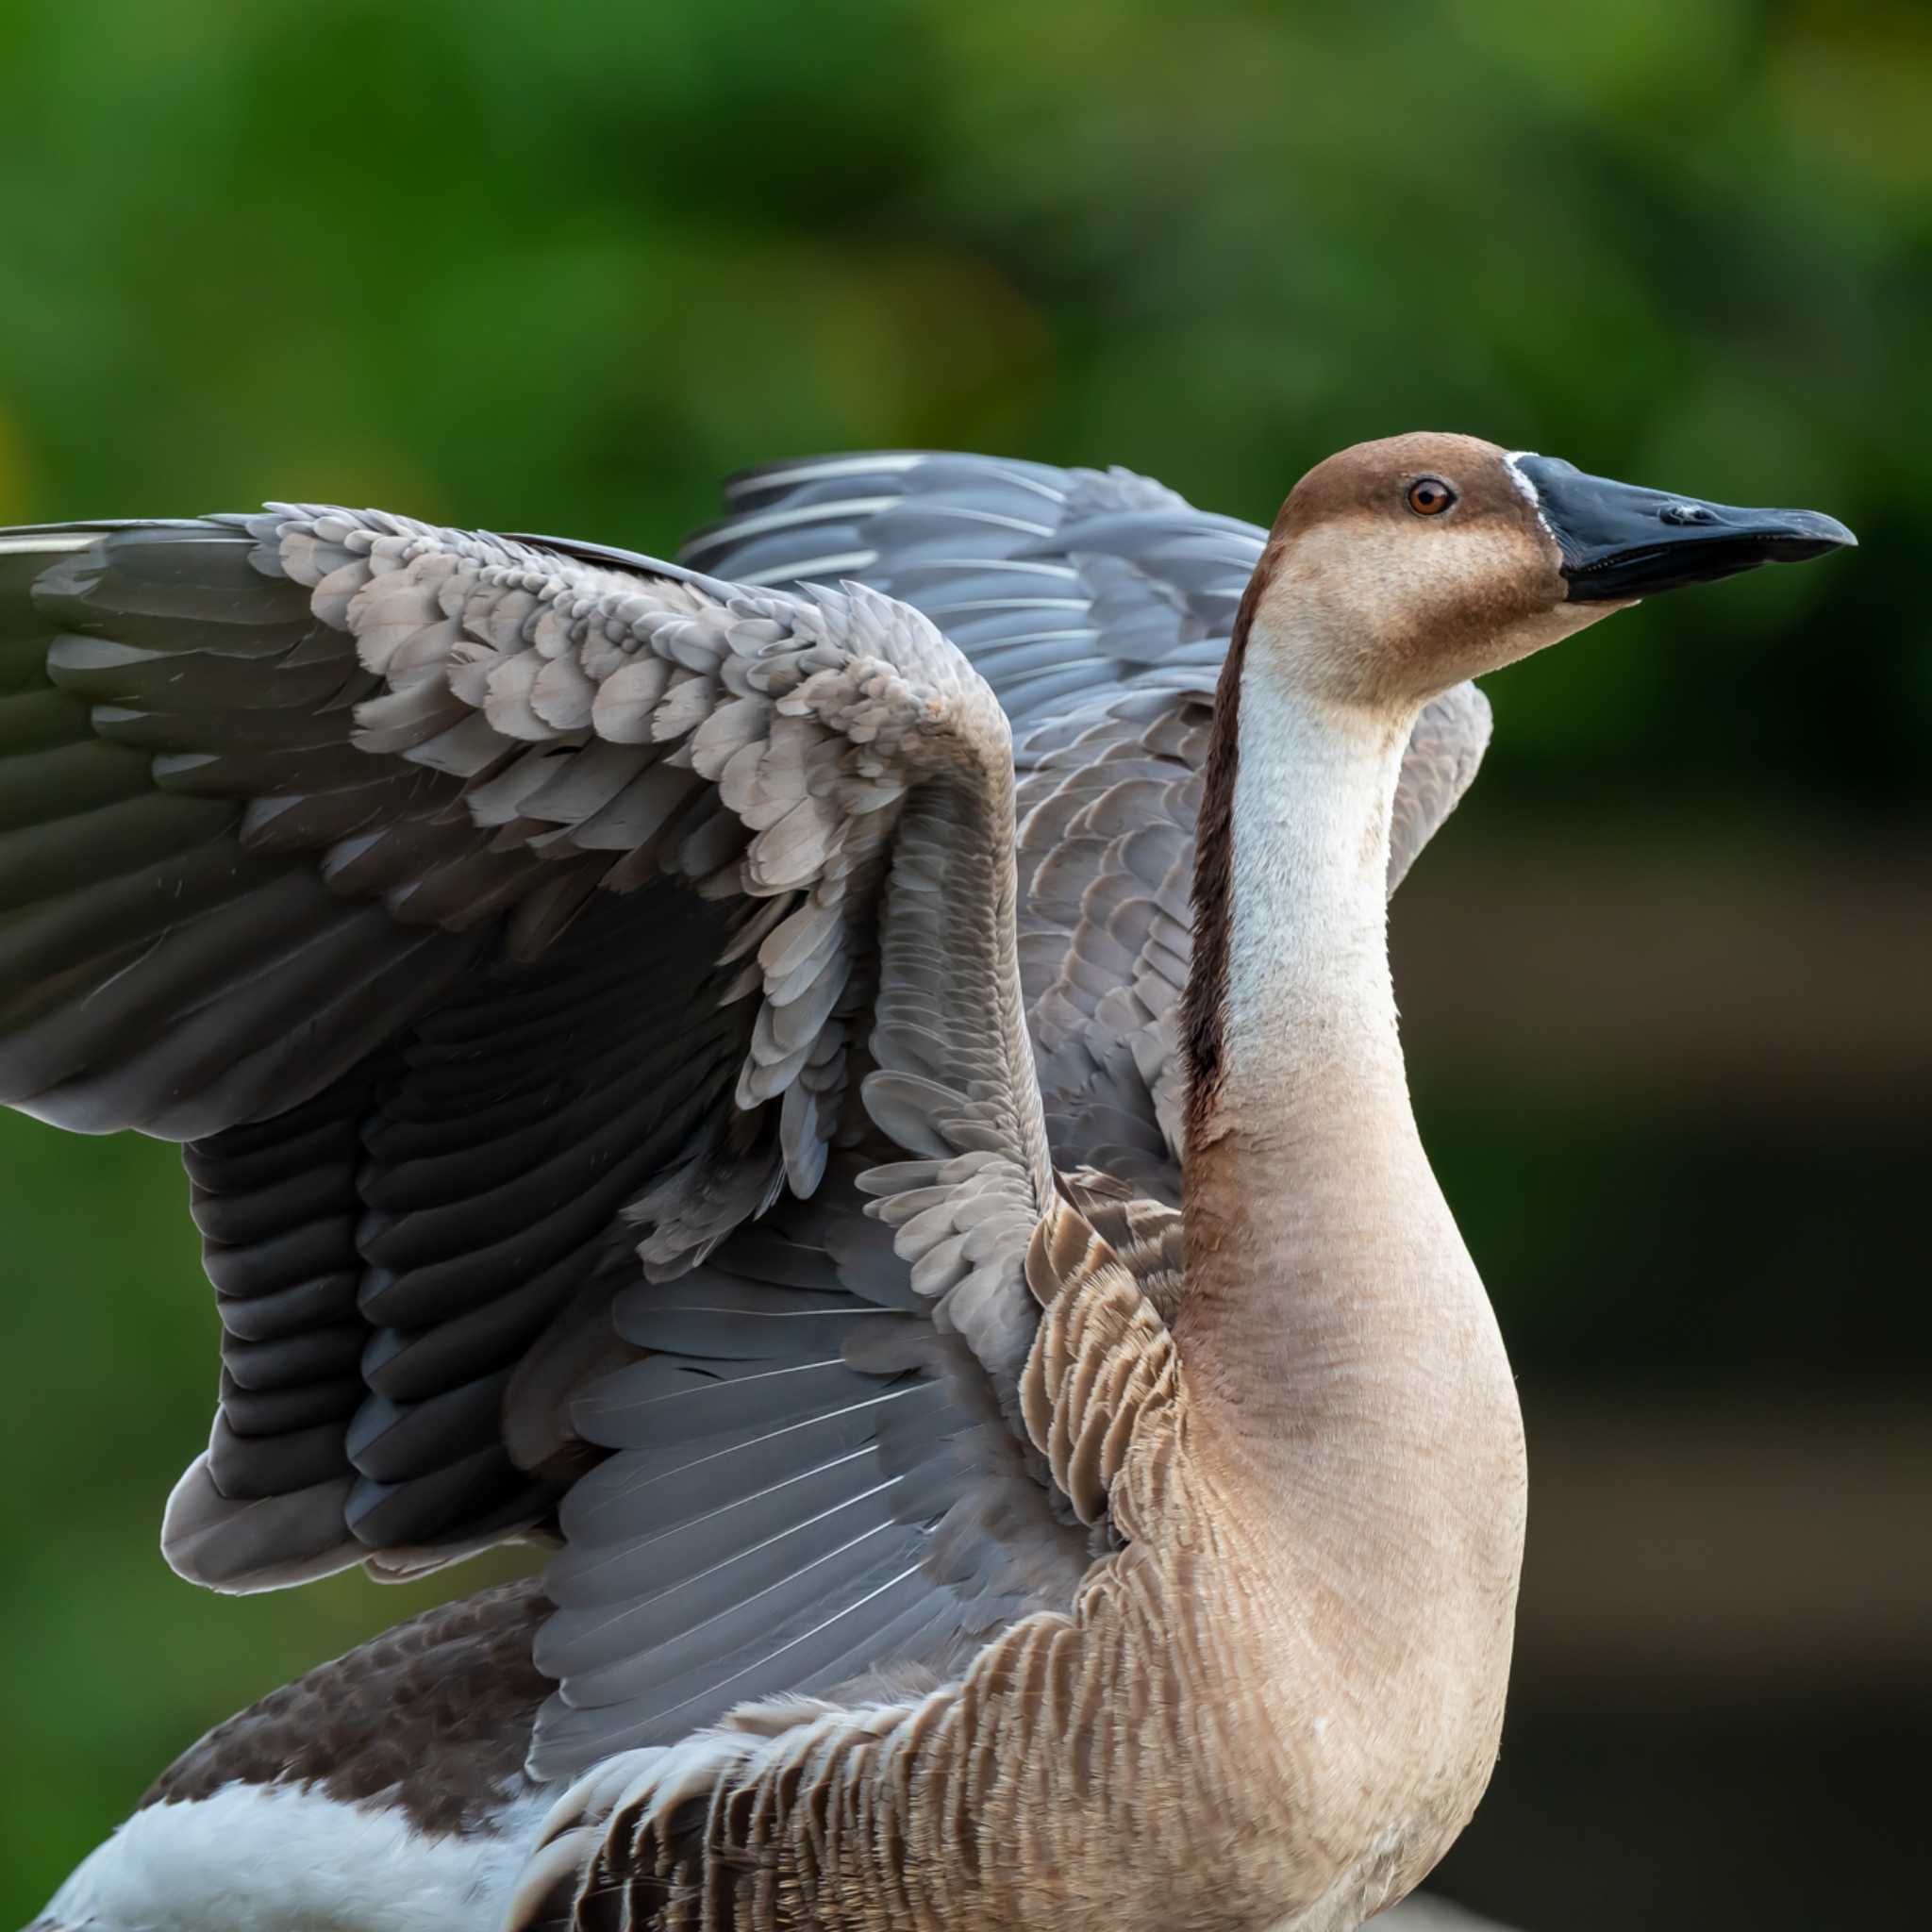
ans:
x=850 y=1088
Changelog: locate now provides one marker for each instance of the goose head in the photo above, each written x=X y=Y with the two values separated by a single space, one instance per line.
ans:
x=1400 y=567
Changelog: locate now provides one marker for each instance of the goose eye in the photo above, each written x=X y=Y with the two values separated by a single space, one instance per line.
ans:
x=1429 y=496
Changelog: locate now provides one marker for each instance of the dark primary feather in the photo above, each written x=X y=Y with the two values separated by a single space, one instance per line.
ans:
x=402 y=875
x=385 y=1249
x=421 y=979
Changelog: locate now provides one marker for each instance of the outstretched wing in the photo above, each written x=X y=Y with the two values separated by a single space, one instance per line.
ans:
x=484 y=921
x=486 y=914
x=1064 y=587
x=1098 y=606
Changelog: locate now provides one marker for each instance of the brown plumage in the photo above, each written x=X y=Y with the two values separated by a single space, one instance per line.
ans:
x=965 y=1524
x=434 y=1716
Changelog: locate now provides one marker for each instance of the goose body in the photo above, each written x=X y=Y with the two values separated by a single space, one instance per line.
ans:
x=869 y=1114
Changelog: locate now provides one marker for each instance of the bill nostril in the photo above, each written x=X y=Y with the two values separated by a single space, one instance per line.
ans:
x=1687 y=514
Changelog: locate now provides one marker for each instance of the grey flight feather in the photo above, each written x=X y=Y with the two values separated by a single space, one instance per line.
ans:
x=1098 y=605
x=504 y=928
x=504 y=925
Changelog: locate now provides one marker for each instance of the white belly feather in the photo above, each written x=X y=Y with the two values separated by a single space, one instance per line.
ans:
x=289 y=1858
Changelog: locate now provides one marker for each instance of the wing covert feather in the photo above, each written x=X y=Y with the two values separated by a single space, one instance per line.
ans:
x=507 y=925
x=1098 y=606
x=668 y=846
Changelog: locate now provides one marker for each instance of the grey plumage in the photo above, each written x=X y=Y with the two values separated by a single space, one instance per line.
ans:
x=505 y=927
x=1099 y=607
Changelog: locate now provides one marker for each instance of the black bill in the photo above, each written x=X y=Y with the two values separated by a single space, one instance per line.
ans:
x=1619 y=542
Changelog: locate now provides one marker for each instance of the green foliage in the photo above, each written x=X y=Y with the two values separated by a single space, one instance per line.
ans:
x=559 y=269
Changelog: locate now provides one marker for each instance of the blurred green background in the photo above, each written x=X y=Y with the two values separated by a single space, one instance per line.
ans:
x=1666 y=977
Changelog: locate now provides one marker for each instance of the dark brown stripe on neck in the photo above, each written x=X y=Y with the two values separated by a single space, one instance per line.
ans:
x=1203 y=1006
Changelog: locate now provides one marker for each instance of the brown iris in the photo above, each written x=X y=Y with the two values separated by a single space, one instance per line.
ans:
x=1429 y=496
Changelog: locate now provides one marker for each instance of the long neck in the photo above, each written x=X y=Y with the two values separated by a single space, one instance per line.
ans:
x=1350 y=1401
x=1330 y=1301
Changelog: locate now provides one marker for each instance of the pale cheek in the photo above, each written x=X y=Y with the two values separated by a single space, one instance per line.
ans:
x=1566 y=620
x=1365 y=612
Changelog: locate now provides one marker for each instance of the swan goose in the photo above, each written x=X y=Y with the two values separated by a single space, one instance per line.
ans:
x=714 y=1070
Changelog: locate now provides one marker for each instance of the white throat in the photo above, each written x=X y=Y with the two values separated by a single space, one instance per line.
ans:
x=1352 y=1343
x=1307 y=980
